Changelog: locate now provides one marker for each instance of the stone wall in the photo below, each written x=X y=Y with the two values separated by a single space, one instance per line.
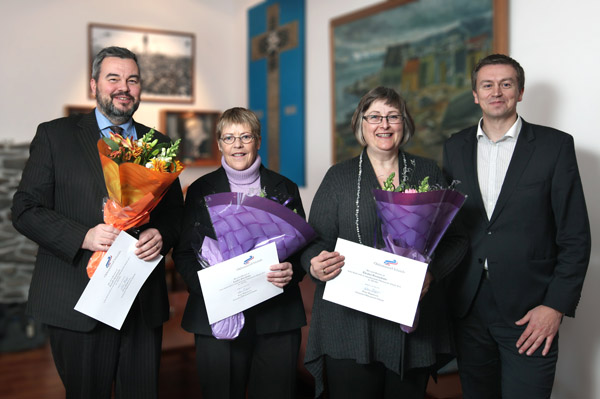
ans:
x=17 y=253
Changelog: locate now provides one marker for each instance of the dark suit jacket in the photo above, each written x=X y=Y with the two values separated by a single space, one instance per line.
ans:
x=537 y=241
x=58 y=200
x=283 y=312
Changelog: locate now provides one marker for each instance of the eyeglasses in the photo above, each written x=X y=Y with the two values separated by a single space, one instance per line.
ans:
x=376 y=119
x=244 y=138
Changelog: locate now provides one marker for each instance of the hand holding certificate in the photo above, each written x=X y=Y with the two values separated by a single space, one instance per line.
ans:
x=111 y=291
x=242 y=223
x=377 y=282
x=238 y=283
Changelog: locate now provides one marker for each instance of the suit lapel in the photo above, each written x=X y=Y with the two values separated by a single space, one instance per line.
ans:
x=470 y=168
x=521 y=156
x=88 y=137
x=141 y=130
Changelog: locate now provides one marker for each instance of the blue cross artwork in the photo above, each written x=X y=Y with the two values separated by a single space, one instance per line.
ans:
x=276 y=83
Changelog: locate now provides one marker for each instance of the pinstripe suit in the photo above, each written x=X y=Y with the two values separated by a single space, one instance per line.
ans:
x=58 y=200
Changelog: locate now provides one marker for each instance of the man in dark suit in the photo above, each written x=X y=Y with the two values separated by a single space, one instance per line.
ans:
x=59 y=206
x=530 y=240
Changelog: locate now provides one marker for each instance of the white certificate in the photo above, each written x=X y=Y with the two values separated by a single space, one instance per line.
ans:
x=377 y=282
x=239 y=283
x=116 y=282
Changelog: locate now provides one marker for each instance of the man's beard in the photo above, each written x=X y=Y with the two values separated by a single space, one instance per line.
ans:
x=114 y=114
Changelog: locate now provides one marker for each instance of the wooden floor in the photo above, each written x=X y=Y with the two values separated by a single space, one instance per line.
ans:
x=31 y=375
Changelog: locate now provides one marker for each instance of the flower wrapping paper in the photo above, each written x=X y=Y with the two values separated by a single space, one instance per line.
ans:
x=416 y=221
x=412 y=224
x=133 y=192
x=242 y=223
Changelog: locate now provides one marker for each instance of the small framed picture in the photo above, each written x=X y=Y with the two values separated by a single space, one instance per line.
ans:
x=78 y=109
x=166 y=59
x=197 y=131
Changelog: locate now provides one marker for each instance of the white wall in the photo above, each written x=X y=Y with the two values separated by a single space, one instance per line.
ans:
x=44 y=67
x=44 y=50
x=556 y=43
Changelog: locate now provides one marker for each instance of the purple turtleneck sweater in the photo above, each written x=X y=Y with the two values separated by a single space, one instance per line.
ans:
x=245 y=181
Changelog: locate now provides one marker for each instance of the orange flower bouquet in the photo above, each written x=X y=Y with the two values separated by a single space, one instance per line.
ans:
x=137 y=174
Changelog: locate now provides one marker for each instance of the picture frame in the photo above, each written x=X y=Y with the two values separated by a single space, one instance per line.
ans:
x=78 y=109
x=425 y=49
x=166 y=59
x=197 y=131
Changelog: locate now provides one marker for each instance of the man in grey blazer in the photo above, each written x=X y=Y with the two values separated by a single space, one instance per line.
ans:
x=59 y=206
x=530 y=240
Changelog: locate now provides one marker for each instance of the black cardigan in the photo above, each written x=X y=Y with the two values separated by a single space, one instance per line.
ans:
x=344 y=333
x=283 y=312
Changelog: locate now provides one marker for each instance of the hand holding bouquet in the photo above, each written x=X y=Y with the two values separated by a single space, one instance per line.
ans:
x=242 y=223
x=413 y=220
x=137 y=174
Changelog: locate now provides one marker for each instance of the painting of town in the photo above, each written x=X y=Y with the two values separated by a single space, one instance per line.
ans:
x=426 y=50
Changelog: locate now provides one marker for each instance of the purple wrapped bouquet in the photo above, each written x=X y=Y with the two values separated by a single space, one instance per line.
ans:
x=242 y=223
x=413 y=221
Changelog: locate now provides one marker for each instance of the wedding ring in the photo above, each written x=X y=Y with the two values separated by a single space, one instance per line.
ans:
x=324 y=270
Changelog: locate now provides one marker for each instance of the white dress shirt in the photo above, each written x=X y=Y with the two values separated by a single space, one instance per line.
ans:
x=492 y=163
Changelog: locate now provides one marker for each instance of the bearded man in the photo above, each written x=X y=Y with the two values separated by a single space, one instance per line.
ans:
x=59 y=206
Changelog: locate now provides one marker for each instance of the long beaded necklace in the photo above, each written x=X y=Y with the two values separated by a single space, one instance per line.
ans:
x=405 y=171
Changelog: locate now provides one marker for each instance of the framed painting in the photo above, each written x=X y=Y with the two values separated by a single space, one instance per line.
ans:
x=166 y=59
x=197 y=131
x=425 y=49
x=78 y=109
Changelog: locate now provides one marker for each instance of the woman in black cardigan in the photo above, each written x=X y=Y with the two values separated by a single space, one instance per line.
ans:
x=359 y=355
x=262 y=360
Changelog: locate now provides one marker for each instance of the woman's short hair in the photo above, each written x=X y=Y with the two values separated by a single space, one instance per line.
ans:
x=239 y=116
x=391 y=98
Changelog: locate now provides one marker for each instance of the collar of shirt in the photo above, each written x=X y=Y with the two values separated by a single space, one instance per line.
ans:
x=513 y=132
x=104 y=123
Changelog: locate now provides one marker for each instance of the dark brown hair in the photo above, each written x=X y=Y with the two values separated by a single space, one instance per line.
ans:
x=391 y=98
x=499 y=59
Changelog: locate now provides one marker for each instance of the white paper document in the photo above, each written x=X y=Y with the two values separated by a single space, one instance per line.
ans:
x=377 y=282
x=116 y=282
x=239 y=283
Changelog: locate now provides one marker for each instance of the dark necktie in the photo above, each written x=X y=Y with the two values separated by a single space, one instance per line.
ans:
x=116 y=129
